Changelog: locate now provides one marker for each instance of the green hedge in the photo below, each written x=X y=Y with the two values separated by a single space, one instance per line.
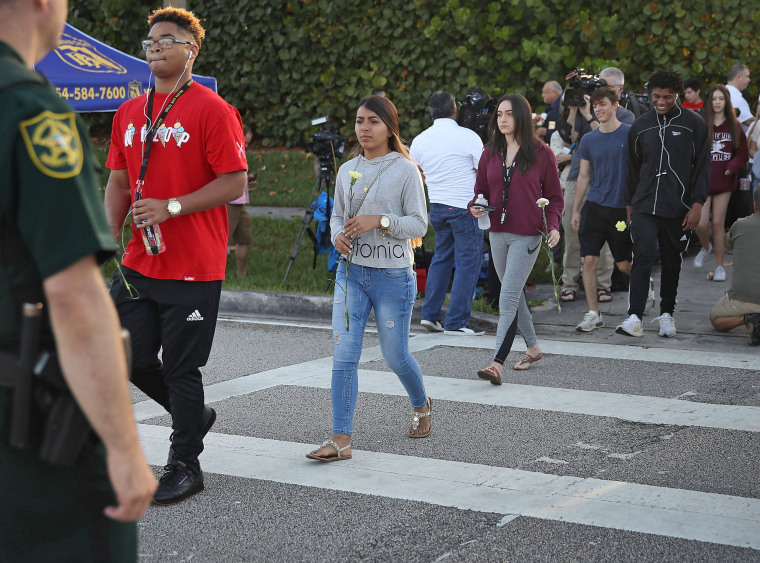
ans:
x=282 y=63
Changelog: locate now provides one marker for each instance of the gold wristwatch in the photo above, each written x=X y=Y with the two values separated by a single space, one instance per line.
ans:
x=174 y=207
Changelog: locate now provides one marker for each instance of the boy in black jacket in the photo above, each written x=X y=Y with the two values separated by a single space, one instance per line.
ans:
x=668 y=178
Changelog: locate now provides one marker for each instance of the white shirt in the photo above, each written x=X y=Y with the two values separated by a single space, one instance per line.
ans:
x=448 y=155
x=738 y=101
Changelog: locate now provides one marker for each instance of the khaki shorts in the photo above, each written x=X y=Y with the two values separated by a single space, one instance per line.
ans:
x=727 y=307
x=240 y=225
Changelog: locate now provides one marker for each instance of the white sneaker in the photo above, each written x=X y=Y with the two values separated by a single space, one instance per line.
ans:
x=720 y=274
x=699 y=259
x=631 y=326
x=667 y=325
x=650 y=298
x=591 y=320
x=464 y=331
x=432 y=326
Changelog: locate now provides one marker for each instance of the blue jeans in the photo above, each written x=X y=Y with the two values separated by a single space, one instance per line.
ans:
x=391 y=292
x=459 y=244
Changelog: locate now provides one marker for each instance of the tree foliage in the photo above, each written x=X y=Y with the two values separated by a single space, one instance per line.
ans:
x=282 y=63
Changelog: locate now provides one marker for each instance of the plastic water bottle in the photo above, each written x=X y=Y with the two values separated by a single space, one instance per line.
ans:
x=484 y=222
x=151 y=236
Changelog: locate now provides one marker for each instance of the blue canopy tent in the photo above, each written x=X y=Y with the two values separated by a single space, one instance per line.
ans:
x=93 y=76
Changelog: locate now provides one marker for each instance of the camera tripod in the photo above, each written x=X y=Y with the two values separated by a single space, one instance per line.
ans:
x=323 y=183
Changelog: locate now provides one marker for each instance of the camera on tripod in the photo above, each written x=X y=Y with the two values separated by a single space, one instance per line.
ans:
x=476 y=111
x=580 y=84
x=326 y=144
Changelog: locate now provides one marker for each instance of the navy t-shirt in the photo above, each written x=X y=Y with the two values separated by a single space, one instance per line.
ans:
x=608 y=155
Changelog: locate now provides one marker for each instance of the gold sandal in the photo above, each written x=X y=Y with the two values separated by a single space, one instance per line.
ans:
x=416 y=421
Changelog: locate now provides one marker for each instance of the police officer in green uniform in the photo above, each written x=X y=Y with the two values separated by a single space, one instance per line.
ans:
x=52 y=231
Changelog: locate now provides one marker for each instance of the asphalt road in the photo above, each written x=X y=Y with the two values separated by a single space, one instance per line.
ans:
x=607 y=449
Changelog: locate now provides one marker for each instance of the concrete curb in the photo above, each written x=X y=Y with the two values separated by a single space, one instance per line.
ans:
x=300 y=306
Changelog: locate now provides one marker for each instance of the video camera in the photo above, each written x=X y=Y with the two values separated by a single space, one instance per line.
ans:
x=580 y=84
x=326 y=143
x=476 y=111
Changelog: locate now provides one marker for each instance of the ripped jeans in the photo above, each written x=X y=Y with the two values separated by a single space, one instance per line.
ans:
x=391 y=291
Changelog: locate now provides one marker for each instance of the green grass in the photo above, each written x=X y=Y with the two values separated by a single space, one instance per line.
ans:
x=286 y=178
x=269 y=256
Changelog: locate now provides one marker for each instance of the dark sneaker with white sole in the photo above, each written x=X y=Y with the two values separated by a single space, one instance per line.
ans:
x=209 y=418
x=179 y=482
x=432 y=326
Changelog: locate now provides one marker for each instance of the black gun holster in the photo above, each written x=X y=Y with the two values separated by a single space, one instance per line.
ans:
x=51 y=416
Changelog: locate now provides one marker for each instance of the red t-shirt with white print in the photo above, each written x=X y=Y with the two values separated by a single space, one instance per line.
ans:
x=201 y=138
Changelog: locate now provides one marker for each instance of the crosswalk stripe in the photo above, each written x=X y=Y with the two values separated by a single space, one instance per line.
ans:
x=580 y=349
x=634 y=408
x=692 y=515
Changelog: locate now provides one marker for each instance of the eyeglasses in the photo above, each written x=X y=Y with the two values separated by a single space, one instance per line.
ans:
x=164 y=43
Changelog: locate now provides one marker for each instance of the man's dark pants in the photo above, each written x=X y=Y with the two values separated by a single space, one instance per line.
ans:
x=649 y=232
x=179 y=318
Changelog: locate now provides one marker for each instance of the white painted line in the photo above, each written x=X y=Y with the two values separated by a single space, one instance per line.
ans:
x=634 y=408
x=691 y=515
x=427 y=340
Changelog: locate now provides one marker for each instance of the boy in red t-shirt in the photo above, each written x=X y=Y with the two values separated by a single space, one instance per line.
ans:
x=167 y=289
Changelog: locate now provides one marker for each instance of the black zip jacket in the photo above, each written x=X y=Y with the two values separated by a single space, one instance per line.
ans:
x=669 y=163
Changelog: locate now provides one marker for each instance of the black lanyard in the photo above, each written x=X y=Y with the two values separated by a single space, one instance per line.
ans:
x=506 y=175
x=150 y=232
x=155 y=127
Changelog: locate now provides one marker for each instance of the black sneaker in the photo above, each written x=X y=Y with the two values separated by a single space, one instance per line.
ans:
x=209 y=418
x=180 y=481
x=753 y=329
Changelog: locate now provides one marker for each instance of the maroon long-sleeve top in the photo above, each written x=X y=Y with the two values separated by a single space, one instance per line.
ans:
x=523 y=214
x=726 y=157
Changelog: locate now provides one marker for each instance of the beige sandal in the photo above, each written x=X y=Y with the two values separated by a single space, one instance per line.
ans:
x=337 y=456
x=416 y=421
x=526 y=360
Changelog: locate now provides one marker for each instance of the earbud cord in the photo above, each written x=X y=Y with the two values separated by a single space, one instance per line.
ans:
x=149 y=122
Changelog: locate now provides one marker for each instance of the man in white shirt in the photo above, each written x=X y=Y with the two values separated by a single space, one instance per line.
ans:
x=448 y=156
x=738 y=80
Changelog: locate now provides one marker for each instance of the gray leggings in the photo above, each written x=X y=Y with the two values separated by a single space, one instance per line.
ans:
x=513 y=262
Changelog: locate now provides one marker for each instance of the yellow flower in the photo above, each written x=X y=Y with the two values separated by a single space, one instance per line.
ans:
x=354 y=175
x=621 y=226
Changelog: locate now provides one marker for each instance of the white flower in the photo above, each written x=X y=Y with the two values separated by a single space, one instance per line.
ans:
x=542 y=202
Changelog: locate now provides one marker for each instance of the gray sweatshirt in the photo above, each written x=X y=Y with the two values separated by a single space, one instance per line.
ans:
x=397 y=193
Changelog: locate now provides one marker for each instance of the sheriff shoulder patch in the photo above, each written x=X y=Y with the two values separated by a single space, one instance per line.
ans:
x=53 y=143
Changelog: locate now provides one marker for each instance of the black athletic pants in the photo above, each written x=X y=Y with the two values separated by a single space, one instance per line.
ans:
x=178 y=318
x=649 y=232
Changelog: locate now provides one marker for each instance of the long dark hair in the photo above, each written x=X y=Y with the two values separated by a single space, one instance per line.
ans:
x=728 y=111
x=524 y=132
x=387 y=112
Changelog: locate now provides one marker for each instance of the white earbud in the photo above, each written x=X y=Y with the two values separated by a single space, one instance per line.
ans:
x=190 y=56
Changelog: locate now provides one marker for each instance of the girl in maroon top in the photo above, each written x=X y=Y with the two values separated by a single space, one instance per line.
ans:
x=729 y=155
x=515 y=171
